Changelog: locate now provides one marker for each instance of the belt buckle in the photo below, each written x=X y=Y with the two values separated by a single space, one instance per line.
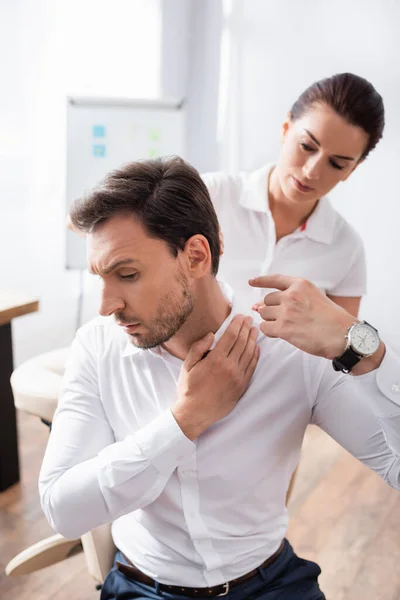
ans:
x=226 y=590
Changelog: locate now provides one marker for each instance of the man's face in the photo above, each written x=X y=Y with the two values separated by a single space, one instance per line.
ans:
x=144 y=285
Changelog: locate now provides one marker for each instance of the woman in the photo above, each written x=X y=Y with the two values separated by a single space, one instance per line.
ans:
x=278 y=218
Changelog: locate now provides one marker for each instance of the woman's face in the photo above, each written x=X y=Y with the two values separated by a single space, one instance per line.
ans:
x=319 y=150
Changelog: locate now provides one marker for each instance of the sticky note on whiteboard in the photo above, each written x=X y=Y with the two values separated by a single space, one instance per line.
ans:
x=99 y=150
x=155 y=134
x=99 y=131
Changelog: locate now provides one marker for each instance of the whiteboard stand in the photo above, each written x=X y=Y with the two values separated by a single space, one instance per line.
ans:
x=79 y=308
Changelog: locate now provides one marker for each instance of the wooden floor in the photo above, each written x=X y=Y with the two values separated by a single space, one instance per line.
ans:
x=343 y=516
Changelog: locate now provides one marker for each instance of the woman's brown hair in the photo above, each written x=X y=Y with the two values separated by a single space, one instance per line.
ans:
x=350 y=96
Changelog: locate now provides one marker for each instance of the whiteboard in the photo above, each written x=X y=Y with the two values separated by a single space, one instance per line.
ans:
x=103 y=134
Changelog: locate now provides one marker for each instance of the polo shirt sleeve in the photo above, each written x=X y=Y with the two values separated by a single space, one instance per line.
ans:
x=354 y=279
x=215 y=185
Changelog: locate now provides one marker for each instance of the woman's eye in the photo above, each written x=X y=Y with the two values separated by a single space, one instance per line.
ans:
x=306 y=147
x=130 y=277
x=336 y=166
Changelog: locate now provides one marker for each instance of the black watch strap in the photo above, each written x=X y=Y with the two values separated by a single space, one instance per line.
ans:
x=346 y=361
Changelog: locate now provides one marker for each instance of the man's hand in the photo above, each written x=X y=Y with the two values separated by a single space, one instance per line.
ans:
x=210 y=386
x=302 y=315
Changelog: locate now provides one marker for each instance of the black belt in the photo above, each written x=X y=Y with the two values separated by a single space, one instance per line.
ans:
x=132 y=572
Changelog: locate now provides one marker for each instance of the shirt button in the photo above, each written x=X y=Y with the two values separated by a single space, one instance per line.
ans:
x=395 y=388
x=188 y=473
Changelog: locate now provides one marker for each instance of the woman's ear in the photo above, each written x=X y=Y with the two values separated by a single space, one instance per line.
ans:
x=221 y=243
x=286 y=126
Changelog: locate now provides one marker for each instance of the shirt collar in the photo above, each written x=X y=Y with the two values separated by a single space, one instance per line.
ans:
x=321 y=224
x=131 y=350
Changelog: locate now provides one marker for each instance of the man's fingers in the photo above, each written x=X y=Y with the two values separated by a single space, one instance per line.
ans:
x=248 y=351
x=197 y=351
x=252 y=364
x=229 y=337
x=277 y=282
x=242 y=340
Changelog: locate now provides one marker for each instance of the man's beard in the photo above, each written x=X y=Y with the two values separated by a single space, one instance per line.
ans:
x=172 y=313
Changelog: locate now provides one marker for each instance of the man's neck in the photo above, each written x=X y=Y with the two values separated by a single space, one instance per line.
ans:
x=210 y=311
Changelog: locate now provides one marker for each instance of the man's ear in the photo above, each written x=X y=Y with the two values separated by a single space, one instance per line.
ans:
x=353 y=169
x=198 y=255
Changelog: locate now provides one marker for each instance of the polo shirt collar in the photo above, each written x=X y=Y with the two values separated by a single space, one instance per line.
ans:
x=321 y=224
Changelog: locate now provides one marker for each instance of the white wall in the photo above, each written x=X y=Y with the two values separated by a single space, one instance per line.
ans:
x=190 y=69
x=51 y=49
x=203 y=84
x=125 y=48
x=28 y=262
x=285 y=46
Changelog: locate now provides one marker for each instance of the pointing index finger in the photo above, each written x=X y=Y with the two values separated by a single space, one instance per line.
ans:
x=278 y=282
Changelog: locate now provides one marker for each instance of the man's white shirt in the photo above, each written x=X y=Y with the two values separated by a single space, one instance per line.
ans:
x=326 y=250
x=204 y=512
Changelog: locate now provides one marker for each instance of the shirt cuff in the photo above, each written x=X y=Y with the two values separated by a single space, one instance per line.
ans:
x=163 y=442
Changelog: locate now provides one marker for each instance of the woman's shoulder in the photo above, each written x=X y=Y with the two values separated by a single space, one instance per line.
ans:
x=225 y=189
x=343 y=232
x=232 y=186
x=222 y=181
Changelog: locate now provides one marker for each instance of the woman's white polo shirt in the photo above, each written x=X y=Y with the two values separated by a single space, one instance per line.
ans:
x=326 y=249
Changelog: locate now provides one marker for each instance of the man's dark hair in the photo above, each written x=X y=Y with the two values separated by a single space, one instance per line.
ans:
x=168 y=197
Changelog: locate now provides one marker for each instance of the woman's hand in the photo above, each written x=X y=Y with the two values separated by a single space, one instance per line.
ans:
x=302 y=315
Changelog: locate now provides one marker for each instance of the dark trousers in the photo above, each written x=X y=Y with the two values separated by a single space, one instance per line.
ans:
x=287 y=578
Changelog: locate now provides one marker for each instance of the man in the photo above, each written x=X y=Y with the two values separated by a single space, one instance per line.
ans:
x=180 y=422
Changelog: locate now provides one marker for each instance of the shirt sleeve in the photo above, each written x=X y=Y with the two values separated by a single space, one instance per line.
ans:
x=361 y=413
x=214 y=182
x=354 y=280
x=87 y=478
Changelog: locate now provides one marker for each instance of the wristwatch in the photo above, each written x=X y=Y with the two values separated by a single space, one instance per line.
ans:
x=362 y=340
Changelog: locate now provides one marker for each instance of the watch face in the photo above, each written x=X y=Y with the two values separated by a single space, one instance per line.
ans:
x=364 y=339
